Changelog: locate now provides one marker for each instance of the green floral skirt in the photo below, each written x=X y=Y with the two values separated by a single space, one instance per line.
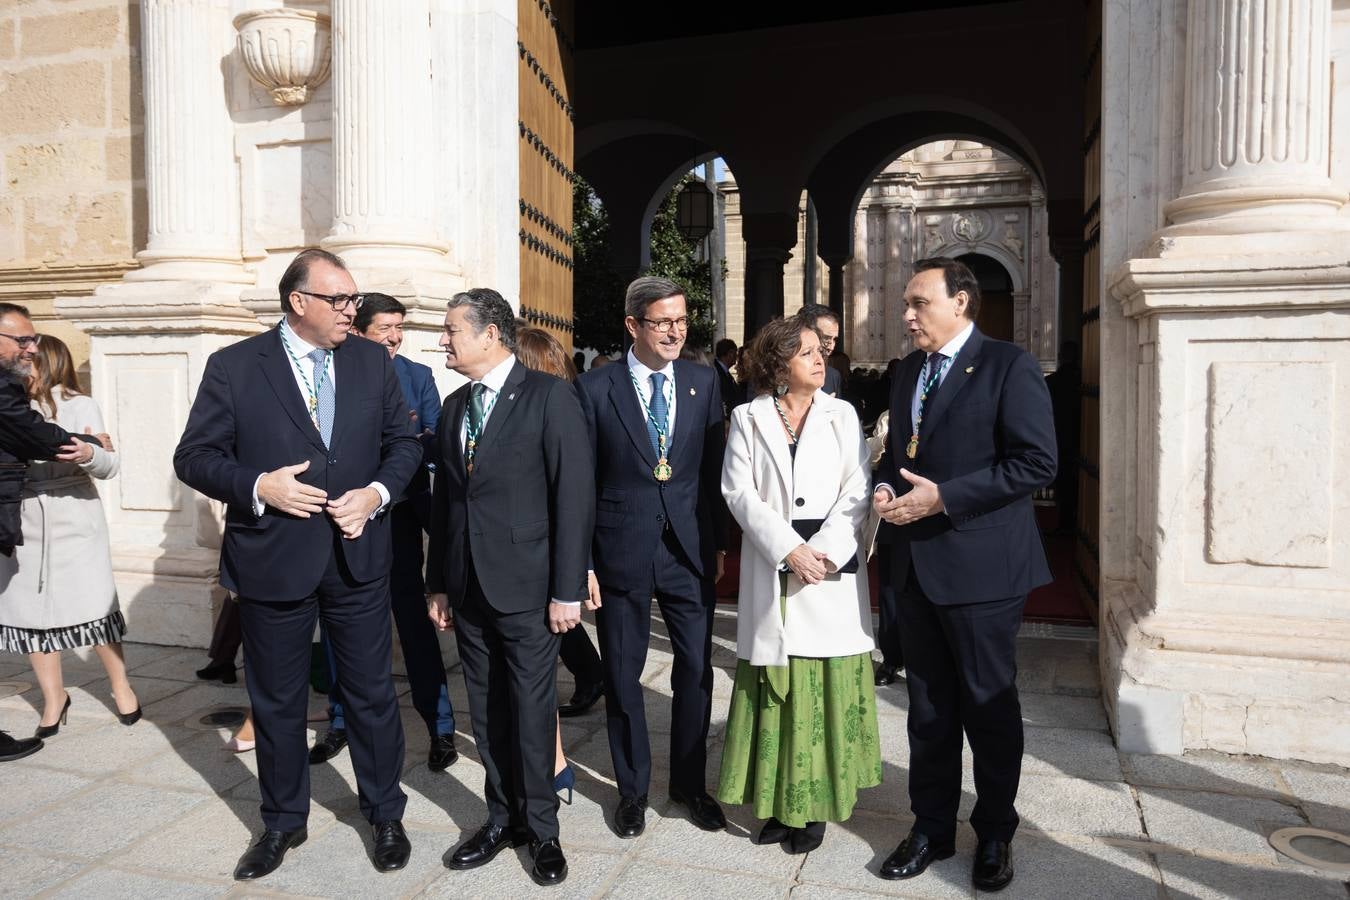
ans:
x=801 y=755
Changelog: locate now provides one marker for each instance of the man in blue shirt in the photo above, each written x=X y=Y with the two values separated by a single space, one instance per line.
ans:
x=380 y=319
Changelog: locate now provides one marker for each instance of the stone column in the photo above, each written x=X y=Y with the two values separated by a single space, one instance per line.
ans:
x=1223 y=624
x=859 y=332
x=763 y=285
x=1257 y=98
x=386 y=166
x=191 y=178
x=897 y=276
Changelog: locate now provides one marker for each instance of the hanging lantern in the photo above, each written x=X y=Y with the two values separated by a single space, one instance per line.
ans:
x=694 y=210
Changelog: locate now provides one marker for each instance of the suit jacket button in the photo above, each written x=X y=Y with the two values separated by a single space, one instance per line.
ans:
x=801 y=502
x=660 y=517
x=333 y=461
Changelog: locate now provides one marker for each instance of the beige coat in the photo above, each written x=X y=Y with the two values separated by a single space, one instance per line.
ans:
x=765 y=491
x=62 y=575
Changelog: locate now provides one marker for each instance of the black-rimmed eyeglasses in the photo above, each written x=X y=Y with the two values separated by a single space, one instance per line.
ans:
x=339 y=302
x=25 y=341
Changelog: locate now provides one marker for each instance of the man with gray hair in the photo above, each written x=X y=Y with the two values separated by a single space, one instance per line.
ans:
x=513 y=505
x=655 y=422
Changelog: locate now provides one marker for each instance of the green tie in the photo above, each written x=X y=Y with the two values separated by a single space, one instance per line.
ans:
x=474 y=429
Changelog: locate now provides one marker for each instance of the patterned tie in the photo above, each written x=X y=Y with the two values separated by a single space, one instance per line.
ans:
x=935 y=361
x=475 y=428
x=327 y=402
x=656 y=422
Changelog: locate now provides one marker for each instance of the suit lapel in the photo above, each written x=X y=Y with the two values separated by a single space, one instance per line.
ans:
x=624 y=398
x=452 y=417
x=903 y=401
x=276 y=367
x=958 y=374
x=507 y=401
x=689 y=409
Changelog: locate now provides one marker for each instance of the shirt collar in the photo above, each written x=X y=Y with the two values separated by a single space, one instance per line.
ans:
x=643 y=374
x=496 y=377
x=298 y=345
x=953 y=347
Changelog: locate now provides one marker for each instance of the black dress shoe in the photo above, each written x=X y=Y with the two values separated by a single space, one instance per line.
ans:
x=264 y=857
x=804 y=840
x=630 y=816
x=993 y=868
x=888 y=675
x=12 y=748
x=486 y=843
x=328 y=746
x=550 y=866
x=223 y=672
x=442 y=754
x=773 y=832
x=913 y=856
x=703 y=810
x=583 y=698
x=392 y=847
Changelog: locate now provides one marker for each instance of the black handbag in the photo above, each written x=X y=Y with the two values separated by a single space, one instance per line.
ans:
x=807 y=528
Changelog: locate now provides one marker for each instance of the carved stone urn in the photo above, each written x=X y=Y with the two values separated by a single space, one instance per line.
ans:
x=287 y=51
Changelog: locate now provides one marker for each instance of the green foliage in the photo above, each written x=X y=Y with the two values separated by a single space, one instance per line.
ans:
x=597 y=290
x=674 y=257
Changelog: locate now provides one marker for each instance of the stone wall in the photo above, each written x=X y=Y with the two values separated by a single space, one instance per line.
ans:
x=72 y=208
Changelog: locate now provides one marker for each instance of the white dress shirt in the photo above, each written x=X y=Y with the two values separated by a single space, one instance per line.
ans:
x=299 y=349
x=493 y=382
x=643 y=376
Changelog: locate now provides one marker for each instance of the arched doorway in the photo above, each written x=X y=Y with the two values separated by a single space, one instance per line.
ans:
x=995 y=316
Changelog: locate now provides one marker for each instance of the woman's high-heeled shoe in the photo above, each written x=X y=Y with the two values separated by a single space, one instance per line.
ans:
x=235 y=745
x=130 y=718
x=46 y=731
x=565 y=780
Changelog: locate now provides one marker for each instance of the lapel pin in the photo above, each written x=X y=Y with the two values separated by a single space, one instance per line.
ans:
x=693 y=393
x=513 y=396
x=969 y=369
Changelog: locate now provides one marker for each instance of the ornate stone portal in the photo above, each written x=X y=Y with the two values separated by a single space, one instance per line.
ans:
x=947 y=198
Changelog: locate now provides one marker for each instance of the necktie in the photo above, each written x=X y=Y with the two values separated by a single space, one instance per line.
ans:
x=656 y=422
x=475 y=427
x=326 y=400
x=935 y=361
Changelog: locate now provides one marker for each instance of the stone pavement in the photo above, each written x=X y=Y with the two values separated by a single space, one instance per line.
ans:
x=162 y=810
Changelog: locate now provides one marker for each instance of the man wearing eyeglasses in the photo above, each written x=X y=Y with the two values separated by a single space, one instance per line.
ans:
x=660 y=531
x=24 y=436
x=303 y=431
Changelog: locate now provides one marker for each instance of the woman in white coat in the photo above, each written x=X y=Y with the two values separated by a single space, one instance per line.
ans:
x=56 y=591
x=802 y=731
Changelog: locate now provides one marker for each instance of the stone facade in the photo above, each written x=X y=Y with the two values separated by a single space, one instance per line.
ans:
x=72 y=208
x=946 y=198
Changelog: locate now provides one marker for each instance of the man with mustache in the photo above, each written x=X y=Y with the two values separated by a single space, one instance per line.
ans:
x=660 y=530
x=303 y=432
x=971 y=439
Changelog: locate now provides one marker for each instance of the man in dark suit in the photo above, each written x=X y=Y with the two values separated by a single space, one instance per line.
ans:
x=661 y=530
x=380 y=319
x=511 y=518
x=972 y=438
x=24 y=436
x=303 y=432
x=826 y=324
x=733 y=394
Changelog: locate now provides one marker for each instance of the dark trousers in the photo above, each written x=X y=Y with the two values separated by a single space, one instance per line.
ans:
x=888 y=603
x=416 y=635
x=580 y=658
x=961 y=669
x=277 y=659
x=227 y=635
x=509 y=670
x=624 y=619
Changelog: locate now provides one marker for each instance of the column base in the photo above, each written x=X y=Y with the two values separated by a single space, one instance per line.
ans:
x=169 y=596
x=1261 y=685
x=169 y=266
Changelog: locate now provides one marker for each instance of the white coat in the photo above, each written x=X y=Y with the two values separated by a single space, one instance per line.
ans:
x=62 y=574
x=765 y=490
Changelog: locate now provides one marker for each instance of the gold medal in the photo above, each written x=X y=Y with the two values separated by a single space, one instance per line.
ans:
x=663 y=471
x=913 y=449
x=468 y=467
